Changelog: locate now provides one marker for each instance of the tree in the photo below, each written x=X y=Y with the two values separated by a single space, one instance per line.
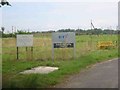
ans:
x=4 y=2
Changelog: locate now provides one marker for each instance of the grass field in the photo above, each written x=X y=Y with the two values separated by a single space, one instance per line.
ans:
x=86 y=54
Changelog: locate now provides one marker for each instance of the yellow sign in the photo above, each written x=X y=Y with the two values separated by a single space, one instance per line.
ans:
x=105 y=44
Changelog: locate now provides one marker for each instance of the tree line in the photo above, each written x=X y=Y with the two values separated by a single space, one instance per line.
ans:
x=89 y=31
x=77 y=31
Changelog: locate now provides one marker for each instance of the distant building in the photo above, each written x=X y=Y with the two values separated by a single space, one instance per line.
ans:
x=119 y=15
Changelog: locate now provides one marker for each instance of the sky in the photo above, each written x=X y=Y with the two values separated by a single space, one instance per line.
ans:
x=54 y=15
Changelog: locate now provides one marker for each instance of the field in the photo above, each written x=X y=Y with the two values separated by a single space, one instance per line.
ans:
x=86 y=55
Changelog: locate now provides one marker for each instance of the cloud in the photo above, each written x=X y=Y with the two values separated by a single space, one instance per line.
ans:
x=54 y=15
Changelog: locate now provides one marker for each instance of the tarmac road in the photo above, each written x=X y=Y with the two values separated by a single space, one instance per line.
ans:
x=0 y=81
x=101 y=75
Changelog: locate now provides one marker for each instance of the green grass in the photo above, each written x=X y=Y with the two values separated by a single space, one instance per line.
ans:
x=86 y=55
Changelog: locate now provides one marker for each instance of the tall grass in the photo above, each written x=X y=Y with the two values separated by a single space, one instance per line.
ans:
x=42 y=47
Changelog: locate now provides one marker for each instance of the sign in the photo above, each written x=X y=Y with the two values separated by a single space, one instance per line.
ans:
x=24 y=40
x=105 y=44
x=63 y=40
x=63 y=45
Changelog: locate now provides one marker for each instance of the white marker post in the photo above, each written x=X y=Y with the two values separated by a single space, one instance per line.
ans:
x=63 y=40
x=24 y=40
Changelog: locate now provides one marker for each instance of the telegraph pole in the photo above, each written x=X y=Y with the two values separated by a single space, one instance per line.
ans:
x=12 y=31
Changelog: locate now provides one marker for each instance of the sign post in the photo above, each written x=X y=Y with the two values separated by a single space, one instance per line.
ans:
x=24 y=40
x=74 y=51
x=32 y=51
x=52 y=52
x=17 y=54
x=63 y=40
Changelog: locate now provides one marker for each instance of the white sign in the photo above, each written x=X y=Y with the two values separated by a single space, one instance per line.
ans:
x=63 y=39
x=24 y=40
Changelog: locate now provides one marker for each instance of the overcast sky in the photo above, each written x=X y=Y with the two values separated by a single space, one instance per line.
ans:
x=50 y=15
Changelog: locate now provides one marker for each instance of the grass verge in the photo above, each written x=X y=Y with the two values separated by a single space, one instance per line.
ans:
x=12 y=78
